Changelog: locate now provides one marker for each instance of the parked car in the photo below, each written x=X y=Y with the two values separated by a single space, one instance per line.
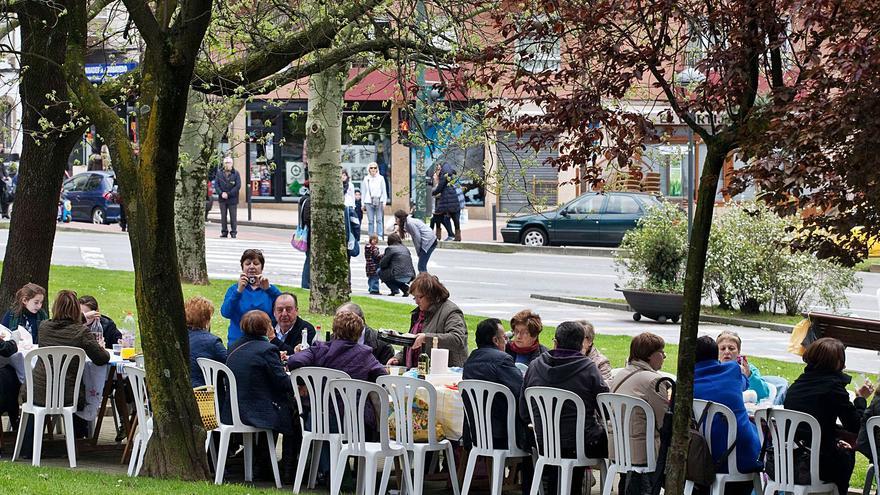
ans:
x=590 y=219
x=92 y=197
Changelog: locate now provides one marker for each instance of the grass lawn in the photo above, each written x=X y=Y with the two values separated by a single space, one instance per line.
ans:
x=782 y=319
x=115 y=293
x=865 y=266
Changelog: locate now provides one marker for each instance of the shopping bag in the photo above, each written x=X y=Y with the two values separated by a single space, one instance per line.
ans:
x=299 y=241
x=798 y=333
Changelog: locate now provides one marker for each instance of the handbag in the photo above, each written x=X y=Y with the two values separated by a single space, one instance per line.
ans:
x=300 y=241
x=205 y=401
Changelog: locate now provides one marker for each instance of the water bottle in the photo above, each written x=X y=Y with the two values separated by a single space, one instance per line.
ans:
x=305 y=340
x=127 y=330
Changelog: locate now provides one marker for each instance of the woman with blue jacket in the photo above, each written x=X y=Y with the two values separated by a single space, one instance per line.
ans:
x=722 y=383
x=252 y=291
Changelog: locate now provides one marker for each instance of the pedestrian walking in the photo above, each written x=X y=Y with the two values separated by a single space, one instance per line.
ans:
x=423 y=238
x=228 y=185
x=374 y=192
x=446 y=192
x=372 y=256
x=305 y=220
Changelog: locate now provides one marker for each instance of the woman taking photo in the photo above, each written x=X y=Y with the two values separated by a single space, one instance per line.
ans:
x=252 y=291
x=423 y=239
x=434 y=316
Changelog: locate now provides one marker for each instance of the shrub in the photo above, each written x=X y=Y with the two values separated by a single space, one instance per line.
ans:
x=655 y=251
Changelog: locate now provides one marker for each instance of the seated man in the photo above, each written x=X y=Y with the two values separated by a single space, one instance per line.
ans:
x=565 y=367
x=489 y=362
x=369 y=337
x=288 y=332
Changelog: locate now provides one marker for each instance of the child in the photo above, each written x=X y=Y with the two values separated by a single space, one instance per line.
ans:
x=27 y=310
x=371 y=252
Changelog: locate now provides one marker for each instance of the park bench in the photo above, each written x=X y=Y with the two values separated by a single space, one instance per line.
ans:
x=862 y=333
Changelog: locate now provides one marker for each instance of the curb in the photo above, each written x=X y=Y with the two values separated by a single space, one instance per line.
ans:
x=252 y=223
x=776 y=327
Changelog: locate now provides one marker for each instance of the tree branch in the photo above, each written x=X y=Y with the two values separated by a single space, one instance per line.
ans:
x=146 y=22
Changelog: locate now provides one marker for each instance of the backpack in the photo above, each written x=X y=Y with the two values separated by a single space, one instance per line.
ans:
x=700 y=466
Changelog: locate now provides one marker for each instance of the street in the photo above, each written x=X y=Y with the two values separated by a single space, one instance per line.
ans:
x=481 y=283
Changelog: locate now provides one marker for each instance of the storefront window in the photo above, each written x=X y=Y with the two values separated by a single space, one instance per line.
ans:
x=671 y=161
x=366 y=137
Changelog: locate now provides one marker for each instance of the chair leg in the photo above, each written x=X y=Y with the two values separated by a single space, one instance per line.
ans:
x=418 y=471
x=361 y=471
x=209 y=446
x=38 y=439
x=272 y=460
x=565 y=480
x=68 y=435
x=248 y=456
x=135 y=452
x=407 y=473
x=143 y=454
x=336 y=481
x=301 y=464
x=688 y=487
x=536 y=478
x=221 y=457
x=869 y=480
x=19 y=437
x=469 y=473
x=453 y=472
x=317 y=447
x=370 y=475
x=386 y=475
x=609 y=480
x=497 y=475
x=334 y=445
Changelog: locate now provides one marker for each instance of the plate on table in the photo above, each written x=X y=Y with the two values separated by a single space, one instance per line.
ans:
x=396 y=338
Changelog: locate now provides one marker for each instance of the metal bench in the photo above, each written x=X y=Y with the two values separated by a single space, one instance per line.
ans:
x=862 y=333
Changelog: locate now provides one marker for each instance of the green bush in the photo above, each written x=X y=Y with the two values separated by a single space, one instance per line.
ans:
x=656 y=251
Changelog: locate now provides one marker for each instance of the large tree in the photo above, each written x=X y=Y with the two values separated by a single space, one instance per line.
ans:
x=744 y=60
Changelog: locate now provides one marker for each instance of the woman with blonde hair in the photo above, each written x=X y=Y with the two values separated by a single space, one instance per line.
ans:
x=730 y=349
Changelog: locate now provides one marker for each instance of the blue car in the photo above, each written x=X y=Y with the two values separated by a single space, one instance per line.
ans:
x=92 y=197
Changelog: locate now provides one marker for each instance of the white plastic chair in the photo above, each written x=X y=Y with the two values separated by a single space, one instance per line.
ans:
x=616 y=411
x=350 y=399
x=871 y=426
x=783 y=425
x=316 y=382
x=717 y=412
x=403 y=390
x=546 y=404
x=137 y=379
x=480 y=396
x=56 y=361
x=211 y=370
x=523 y=367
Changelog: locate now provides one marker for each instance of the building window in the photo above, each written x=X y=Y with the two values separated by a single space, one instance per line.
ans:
x=537 y=55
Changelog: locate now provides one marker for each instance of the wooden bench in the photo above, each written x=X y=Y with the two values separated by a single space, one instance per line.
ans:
x=862 y=333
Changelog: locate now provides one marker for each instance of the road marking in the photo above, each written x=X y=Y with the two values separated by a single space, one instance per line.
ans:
x=94 y=257
x=539 y=272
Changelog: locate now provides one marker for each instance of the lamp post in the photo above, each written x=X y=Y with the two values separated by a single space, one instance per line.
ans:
x=685 y=78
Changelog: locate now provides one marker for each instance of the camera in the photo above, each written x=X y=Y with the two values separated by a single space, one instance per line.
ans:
x=252 y=280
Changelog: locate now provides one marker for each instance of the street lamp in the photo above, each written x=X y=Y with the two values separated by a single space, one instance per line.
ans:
x=685 y=78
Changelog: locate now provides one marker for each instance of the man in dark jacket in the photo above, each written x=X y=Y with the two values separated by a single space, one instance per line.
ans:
x=370 y=338
x=565 y=367
x=9 y=384
x=228 y=185
x=395 y=267
x=288 y=332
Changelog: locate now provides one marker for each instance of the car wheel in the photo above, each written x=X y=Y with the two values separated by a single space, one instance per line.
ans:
x=535 y=237
x=661 y=319
x=98 y=216
x=637 y=316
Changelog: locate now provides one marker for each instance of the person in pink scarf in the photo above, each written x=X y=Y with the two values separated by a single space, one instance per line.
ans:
x=525 y=347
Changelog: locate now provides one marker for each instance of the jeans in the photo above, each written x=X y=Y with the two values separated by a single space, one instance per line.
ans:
x=305 y=283
x=397 y=285
x=376 y=219
x=424 y=256
x=233 y=219
x=373 y=283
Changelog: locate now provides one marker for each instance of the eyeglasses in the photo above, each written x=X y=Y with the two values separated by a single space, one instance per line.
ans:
x=374 y=168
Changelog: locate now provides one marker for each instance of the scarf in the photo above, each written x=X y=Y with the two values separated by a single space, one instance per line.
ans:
x=412 y=355
x=524 y=350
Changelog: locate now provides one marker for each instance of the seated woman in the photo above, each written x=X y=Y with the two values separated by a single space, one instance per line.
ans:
x=65 y=328
x=593 y=353
x=202 y=343
x=524 y=347
x=27 y=310
x=99 y=323
x=395 y=266
x=434 y=316
x=821 y=392
x=639 y=379
x=729 y=350
x=722 y=383
x=252 y=291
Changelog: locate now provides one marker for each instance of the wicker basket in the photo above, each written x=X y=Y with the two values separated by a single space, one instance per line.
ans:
x=205 y=401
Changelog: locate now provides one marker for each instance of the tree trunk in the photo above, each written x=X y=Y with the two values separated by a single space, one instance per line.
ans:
x=206 y=124
x=690 y=318
x=330 y=282
x=45 y=151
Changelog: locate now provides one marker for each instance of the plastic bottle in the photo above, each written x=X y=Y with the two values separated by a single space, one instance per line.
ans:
x=305 y=340
x=128 y=330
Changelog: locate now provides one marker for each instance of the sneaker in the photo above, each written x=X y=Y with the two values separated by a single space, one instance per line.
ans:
x=393 y=294
x=223 y=236
x=232 y=235
x=374 y=292
x=449 y=238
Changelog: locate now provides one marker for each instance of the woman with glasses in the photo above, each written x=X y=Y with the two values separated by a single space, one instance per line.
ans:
x=251 y=291
x=374 y=196
x=639 y=379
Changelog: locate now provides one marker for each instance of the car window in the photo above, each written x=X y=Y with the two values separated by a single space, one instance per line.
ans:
x=587 y=205
x=93 y=183
x=622 y=204
x=68 y=185
x=108 y=183
x=78 y=183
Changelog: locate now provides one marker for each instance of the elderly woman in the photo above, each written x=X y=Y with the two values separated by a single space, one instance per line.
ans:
x=434 y=316
x=639 y=379
x=722 y=383
x=593 y=353
x=202 y=343
x=821 y=392
x=252 y=292
x=729 y=350
x=65 y=328
x=524 y=347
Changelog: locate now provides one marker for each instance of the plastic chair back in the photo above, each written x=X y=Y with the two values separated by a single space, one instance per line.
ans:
x=403 y=390
x=213 y=371
x=138 y=380
x=350 y=398
x=617 y=413
x=478 y=397
x=783 y=425
x=316 y=382
x=718 y=412
x=545 y=410
x=56 y=362
x=872 y=425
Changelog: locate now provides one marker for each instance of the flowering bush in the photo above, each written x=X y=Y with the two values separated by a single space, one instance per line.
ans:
x=655 y=251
